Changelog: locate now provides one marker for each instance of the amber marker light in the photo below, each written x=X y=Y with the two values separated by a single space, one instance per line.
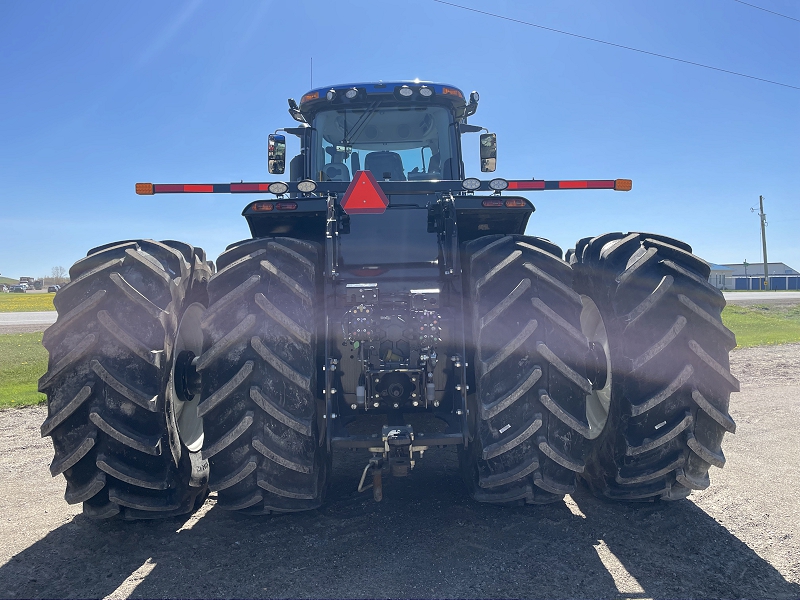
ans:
x=516 y=203
x=144 y=189
x=262 y=206
x=623 y=185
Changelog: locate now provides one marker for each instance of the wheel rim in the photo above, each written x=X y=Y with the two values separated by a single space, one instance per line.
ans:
x=190 y=337
x=599 y=400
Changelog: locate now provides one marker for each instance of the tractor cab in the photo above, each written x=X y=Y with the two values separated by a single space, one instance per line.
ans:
x=402 y=131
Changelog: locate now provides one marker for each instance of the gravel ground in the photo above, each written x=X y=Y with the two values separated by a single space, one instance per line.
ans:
x=738 y=539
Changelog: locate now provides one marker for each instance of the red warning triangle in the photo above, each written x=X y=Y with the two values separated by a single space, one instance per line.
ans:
x=364 y=196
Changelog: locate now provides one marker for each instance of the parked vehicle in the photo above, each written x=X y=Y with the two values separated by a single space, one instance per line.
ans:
x=53 y=288
x=18 y=289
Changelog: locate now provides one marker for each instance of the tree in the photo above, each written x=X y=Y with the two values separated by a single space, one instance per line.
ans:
x=58 y=274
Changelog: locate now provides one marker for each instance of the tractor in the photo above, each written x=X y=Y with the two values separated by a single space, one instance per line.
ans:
x=388 y=304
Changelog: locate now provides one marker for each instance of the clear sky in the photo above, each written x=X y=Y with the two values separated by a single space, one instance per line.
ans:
x=96 y=95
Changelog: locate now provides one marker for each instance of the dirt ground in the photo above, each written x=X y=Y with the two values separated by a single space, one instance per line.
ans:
x=738 y=539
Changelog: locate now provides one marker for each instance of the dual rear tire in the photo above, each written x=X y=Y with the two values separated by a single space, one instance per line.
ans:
x=111 y=415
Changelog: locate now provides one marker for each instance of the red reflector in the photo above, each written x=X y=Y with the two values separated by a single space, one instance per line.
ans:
x=161 y=188
x=286 y=205
x=572 y=185
x=190 y=187
x=492 y=202
x=516 y=203
x=364 y=196
x=262 y=206
x=249 y=187
x=525 y=185
x=601 y=184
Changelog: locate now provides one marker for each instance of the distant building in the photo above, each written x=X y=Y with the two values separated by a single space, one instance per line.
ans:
x=751 y=277
x=721 y=277
x=756 y=269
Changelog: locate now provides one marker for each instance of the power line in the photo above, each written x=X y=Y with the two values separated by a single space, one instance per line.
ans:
x=583 y=37
x=767 y=10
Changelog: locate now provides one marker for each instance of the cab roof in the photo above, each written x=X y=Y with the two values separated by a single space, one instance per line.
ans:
x=442 y=93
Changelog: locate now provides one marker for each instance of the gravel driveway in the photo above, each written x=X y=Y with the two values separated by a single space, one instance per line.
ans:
x=738 y=539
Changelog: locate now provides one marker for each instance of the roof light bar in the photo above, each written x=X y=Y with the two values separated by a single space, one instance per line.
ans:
x=425 y=91
x=351 y=93
x=406 y=91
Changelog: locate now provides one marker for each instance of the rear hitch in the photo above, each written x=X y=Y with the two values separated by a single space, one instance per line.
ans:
x=395 y=458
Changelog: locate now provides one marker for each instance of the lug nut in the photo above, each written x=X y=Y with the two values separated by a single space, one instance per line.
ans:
x=354 y=406
x=376 y=404
x=436 y=403
x=395 y=405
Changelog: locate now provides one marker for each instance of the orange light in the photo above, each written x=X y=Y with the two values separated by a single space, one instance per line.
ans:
x=309 y=96
x=286 y=206
x=623 y=185
x=144 y=189
x=492 y=202
x=516 y=203
x=262 y=206
x=452 y=92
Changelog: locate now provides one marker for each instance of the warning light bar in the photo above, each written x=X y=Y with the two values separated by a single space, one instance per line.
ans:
x=323 y=188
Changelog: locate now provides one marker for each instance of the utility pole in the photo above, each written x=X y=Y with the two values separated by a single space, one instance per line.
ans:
x=763 y=218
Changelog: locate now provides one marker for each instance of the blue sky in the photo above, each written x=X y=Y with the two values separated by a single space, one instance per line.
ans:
x=95 y=96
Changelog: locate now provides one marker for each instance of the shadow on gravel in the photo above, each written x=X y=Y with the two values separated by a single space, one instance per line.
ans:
x=426 y=539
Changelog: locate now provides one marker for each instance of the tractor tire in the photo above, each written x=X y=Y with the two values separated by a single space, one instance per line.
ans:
x=527 y=415
x=260 y=404
x=659 y=425
x=110 y=413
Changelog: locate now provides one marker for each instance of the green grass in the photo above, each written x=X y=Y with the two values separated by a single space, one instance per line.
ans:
x=26 y=302
x=23 y=360
x=763 y=325
x=9 y=281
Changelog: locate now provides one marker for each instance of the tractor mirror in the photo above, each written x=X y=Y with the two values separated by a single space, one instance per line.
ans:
x=276 y=150
x=488 y=152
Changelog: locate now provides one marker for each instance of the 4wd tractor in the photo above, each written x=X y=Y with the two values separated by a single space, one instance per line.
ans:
x=386 y=304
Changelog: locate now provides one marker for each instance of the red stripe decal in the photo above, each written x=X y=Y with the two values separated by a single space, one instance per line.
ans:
x=167 y=188
x=525 y=185
x=249 y=187
x=193 y=187
x=601 y=184
x=572 y=185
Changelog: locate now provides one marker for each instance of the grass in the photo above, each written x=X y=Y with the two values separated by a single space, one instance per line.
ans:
x=23 y=360
x=9 y=281
x=26 y=302
x=763 y=325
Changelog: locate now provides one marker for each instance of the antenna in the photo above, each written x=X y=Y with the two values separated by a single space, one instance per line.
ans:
x=312 y=72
